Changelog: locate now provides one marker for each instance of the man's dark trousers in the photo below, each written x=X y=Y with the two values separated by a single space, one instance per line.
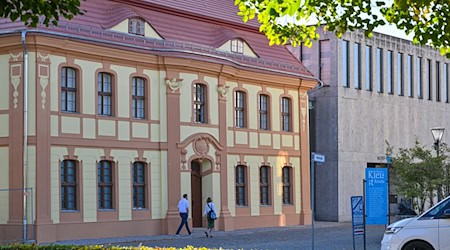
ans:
x=184 y=217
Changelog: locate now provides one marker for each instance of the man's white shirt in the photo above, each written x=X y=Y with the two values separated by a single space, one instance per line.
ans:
x=183 y=205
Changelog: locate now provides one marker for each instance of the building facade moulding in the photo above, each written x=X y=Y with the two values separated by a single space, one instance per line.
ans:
x=201 y=144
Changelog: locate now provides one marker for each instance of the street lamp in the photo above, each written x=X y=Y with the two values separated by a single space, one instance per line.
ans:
x=437 y=136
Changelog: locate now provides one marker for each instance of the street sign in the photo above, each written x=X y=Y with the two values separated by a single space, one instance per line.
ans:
x=357 y=215
x=318 y=158
x=376 y=196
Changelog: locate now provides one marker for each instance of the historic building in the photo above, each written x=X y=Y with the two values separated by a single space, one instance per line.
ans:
x=375 y=90
x=108 y=119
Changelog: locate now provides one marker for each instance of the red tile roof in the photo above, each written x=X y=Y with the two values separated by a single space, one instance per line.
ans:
x=198 y=26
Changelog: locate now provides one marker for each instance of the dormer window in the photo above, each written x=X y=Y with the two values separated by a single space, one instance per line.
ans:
x=136 y=26
x=237 y=46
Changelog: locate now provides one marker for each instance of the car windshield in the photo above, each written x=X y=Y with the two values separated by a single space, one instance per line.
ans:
x=437 y=210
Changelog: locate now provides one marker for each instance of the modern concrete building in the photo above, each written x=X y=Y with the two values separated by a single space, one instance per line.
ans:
x=376 y=89
x=108 y=119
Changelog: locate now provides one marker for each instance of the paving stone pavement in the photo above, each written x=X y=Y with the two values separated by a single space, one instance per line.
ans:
x=328 y=235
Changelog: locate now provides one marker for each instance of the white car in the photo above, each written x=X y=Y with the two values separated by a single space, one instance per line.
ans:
x=428 y=231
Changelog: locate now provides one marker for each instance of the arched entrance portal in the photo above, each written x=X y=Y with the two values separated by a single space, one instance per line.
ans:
x=196 y=195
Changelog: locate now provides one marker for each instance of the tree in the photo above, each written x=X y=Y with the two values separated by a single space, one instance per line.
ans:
x=287 y=20
x=30 y=11
x=418 y=174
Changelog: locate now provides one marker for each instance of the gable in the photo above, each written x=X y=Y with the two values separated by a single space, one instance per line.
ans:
x=247 y=50
x=149 y=31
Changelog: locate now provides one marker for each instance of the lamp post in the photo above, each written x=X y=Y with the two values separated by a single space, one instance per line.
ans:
x=438 y=133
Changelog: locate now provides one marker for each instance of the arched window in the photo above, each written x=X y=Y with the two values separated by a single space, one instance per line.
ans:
x=136 y=26
x=105 y=185
x=69 y=185
x=240 y=109
x=68 y=89
x=287 y=185
x=200 y=99
x=286 y=114
x=264 y=112
x=241 y=185
x=264 y=185
x=105 y=94
x=138 y=97
x=139 y=185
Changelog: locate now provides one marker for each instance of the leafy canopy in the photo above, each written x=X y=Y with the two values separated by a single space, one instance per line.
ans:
x=29 y=11
x=287 y=20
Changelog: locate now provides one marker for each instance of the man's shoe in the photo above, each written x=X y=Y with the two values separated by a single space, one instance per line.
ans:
x=177 y=235
x=190 y=234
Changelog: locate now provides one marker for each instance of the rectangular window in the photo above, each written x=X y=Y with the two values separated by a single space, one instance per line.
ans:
x=199 y=103
x=239 y=109
x=237 y=46
x=138 y=185
x=287 y=185
x=400 y=73
x=429 y=82
x=264 y=112
x=105 y=94
x=390 y=72
x=240 y=186
x=446 y=98
x=410 y=76
x=68 y=185
x=379 y=70
x=264 y=185
x=68 y=90
x=136 y=26
x=138 y=96
x=345 y=64
x=356 y=65
x=285 y=114
x=368 y=68
x=105 y=185
x=438 y=81
x=419 y=77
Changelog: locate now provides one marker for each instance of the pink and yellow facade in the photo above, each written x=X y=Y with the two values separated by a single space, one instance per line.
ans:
x=108 y=121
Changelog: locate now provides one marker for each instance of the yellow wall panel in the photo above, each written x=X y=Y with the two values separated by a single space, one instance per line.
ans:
x=54 y=81
x=31 y=179
x=265 y=139
x=157 y=92
x=231 y=159
x=276 y=141
x=89 y=128
x=252 y=105
x=123 y=89
x=230 y=104
x=70 y=125
x=253 y=140
x=287 y=141
x=295 y=110
x=5 y=83
x=157 y=161
x=230 y=138
x=140 y=130
x=297 y=142
x=4 y=125
x=124 y=130
x=213 y=96
x=4 y=184
x=241 y=137
x=155 y=133
x=106 y=128
x=125 y=159
x=186 y=91
x=56 y=156
x=54 y=125
x=32 y=94
x=253 y=163
x=90 y=158
x=275 y=108
x=89 y=82
x=277 y=163
x=185 y=181
x=297 y=188
x=186 y=131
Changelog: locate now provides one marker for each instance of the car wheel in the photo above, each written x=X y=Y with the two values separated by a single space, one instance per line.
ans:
x=418 y=245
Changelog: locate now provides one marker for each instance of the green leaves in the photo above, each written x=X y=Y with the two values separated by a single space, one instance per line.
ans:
x=283 y=20
x=30 y=11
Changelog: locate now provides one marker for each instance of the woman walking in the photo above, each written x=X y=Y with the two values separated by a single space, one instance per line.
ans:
x=210 y=213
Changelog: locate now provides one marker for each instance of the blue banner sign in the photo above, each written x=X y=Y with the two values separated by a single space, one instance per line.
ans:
x=357 y=215
x=376 y=196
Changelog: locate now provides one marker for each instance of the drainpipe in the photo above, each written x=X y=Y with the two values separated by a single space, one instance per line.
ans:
x=25 y=133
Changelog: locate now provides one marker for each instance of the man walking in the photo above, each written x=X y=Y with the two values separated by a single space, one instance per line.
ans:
x=183 y=208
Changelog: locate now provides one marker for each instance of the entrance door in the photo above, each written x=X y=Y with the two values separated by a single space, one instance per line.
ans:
x=196 y=196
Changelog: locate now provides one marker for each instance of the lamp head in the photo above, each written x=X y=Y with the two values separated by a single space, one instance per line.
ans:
x=437 y=133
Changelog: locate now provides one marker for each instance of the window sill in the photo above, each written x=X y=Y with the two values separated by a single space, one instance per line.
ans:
x=106 y=210
x=140 y=209
x=70 y=211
